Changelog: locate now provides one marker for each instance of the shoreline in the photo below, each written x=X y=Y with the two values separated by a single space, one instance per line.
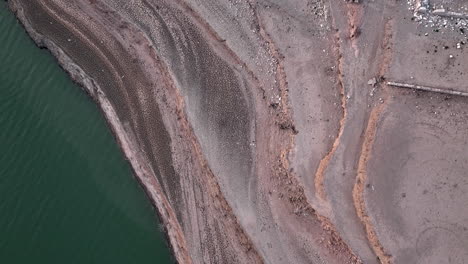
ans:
x=144 y=176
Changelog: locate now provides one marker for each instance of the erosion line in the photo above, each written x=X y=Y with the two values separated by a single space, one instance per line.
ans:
x=359 y=186
x=326 y=224
x=219 y=42
x=48 y=7
x=210 y=179
x=368 y=142
x=319 y=178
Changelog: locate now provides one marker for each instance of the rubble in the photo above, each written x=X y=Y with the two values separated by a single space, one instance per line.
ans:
x=439 y=16
x=372 y=81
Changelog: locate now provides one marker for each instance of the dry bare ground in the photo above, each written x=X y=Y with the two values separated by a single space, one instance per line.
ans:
x=264 y=131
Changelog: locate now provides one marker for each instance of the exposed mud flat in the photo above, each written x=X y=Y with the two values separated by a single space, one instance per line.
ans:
x=256 y=132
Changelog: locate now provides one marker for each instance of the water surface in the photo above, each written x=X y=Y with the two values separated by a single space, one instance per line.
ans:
x=66 y=193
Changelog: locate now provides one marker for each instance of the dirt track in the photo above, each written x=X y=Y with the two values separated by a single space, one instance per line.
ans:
x=254 y=130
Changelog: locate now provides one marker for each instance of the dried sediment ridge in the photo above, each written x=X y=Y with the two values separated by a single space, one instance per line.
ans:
x=324 y=162
x=366 y=151
x=359 y=187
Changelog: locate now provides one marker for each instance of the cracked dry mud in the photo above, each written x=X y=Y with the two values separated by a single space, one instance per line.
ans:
x=255 y=131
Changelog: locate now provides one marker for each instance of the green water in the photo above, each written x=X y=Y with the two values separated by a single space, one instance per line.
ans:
x=66 y=193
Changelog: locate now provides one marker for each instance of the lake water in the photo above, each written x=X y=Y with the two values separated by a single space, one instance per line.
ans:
x=67 y=195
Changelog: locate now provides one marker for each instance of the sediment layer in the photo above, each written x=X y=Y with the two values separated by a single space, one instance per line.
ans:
x=251 y=125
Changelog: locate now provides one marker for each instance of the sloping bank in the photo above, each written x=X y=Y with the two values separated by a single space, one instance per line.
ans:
x=114 y=71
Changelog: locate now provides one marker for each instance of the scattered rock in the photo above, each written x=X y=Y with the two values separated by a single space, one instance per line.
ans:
x=372 y=81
